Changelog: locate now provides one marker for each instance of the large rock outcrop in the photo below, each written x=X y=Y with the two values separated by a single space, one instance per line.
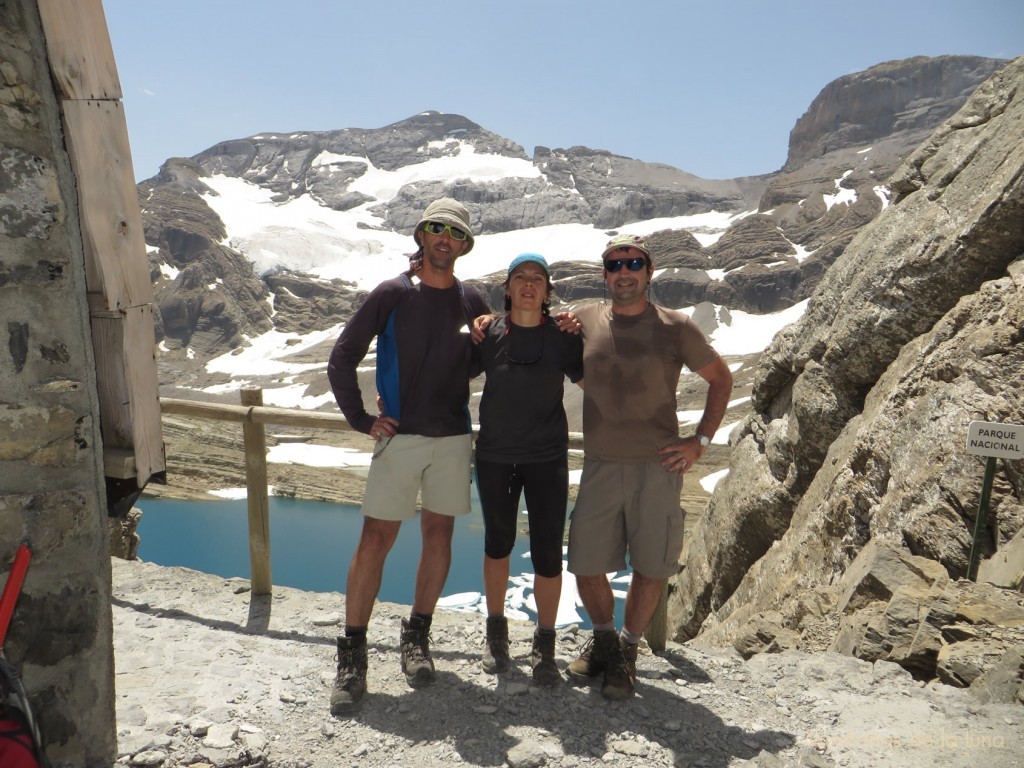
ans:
x=861 y=408
x=854 y=135
x=903 y=99
x=207 y=295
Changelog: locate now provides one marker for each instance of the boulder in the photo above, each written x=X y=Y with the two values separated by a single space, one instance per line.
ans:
x=1006 y=566
x=1003 y=681
x=880 y=570
x=765 y=633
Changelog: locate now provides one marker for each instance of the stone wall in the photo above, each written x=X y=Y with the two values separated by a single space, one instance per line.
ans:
x=51 y=460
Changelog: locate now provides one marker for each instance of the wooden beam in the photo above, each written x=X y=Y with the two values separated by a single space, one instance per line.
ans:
x=109 y=352
x=117 y=269
x=119 y=463
x=116 y=265
x=123 y=344
x=656 y=631
x=287 y=417
x=78 y=48
x=120 y=292
x=290 y=417
x=143 y=387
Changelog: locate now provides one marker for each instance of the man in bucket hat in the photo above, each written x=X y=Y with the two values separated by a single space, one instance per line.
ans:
x=635 y=458
x=423 y=435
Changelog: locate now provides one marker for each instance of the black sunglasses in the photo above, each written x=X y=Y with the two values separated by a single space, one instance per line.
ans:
x=633 y=265
x=436 y=228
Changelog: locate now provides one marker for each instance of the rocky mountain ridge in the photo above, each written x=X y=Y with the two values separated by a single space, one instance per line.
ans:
x=209 y=299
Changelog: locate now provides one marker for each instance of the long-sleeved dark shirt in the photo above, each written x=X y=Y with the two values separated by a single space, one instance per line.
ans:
x=423 y=357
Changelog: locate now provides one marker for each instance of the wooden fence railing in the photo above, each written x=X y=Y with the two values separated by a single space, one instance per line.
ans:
x=253 y=416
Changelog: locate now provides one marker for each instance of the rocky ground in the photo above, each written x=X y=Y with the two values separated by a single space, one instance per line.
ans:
x=208 y=675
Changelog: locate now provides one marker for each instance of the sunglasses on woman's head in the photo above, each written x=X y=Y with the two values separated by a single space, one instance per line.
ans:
x=633 y=265
x=437 y=228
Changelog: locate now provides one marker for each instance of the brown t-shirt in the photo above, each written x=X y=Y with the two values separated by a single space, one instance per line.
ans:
x=631 y=367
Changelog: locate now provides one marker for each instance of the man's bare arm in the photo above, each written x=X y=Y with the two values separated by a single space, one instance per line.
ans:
x=681 y=455
x=719 y=379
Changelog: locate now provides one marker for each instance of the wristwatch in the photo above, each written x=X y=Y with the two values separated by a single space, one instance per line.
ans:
x=704 y=440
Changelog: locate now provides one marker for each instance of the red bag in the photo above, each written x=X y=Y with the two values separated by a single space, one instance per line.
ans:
x=20 y=743
x=17 y=749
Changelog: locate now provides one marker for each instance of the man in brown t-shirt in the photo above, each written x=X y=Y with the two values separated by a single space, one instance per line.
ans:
x=634 y=461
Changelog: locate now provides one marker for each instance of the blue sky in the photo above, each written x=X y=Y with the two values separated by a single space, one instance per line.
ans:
x=713 y=88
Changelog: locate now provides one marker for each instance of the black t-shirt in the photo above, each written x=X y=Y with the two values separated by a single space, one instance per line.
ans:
x=522 y=419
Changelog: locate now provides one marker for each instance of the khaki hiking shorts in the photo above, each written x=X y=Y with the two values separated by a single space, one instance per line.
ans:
x=406 y=466
x=624 y=508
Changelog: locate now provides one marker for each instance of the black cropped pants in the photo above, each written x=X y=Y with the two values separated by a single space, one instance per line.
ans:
x=546 y=487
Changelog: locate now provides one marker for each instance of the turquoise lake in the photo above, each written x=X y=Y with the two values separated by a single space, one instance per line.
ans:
x=311 y=543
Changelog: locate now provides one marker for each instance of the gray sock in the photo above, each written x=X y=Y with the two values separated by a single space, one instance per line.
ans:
x=628 y=637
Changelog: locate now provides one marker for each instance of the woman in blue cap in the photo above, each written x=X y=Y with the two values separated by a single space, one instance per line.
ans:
x=522 y=448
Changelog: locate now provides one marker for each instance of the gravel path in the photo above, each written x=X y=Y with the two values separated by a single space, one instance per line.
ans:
x=209 y=676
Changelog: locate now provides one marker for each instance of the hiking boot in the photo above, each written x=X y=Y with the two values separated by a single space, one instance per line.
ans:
x=416 y=662
x=495 y=659
x=630 y=650
x=350 y=682
x=620 y=671
x=542 y=658
x=594 y=657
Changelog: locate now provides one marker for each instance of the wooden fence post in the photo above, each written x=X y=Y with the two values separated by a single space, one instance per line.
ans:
x=657 y=629
x=255 y=438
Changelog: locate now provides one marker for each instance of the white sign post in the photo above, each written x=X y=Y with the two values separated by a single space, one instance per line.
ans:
x=996 y=441
x=999 y=441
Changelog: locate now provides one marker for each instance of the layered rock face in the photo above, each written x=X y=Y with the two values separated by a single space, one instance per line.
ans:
x=852 y=138
x=842 y=153
x=900 y=100
x=861 y=411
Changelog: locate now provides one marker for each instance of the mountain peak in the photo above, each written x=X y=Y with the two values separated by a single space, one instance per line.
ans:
x=896 y=101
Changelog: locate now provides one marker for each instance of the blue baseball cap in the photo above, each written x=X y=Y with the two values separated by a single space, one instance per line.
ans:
x=523 y=258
